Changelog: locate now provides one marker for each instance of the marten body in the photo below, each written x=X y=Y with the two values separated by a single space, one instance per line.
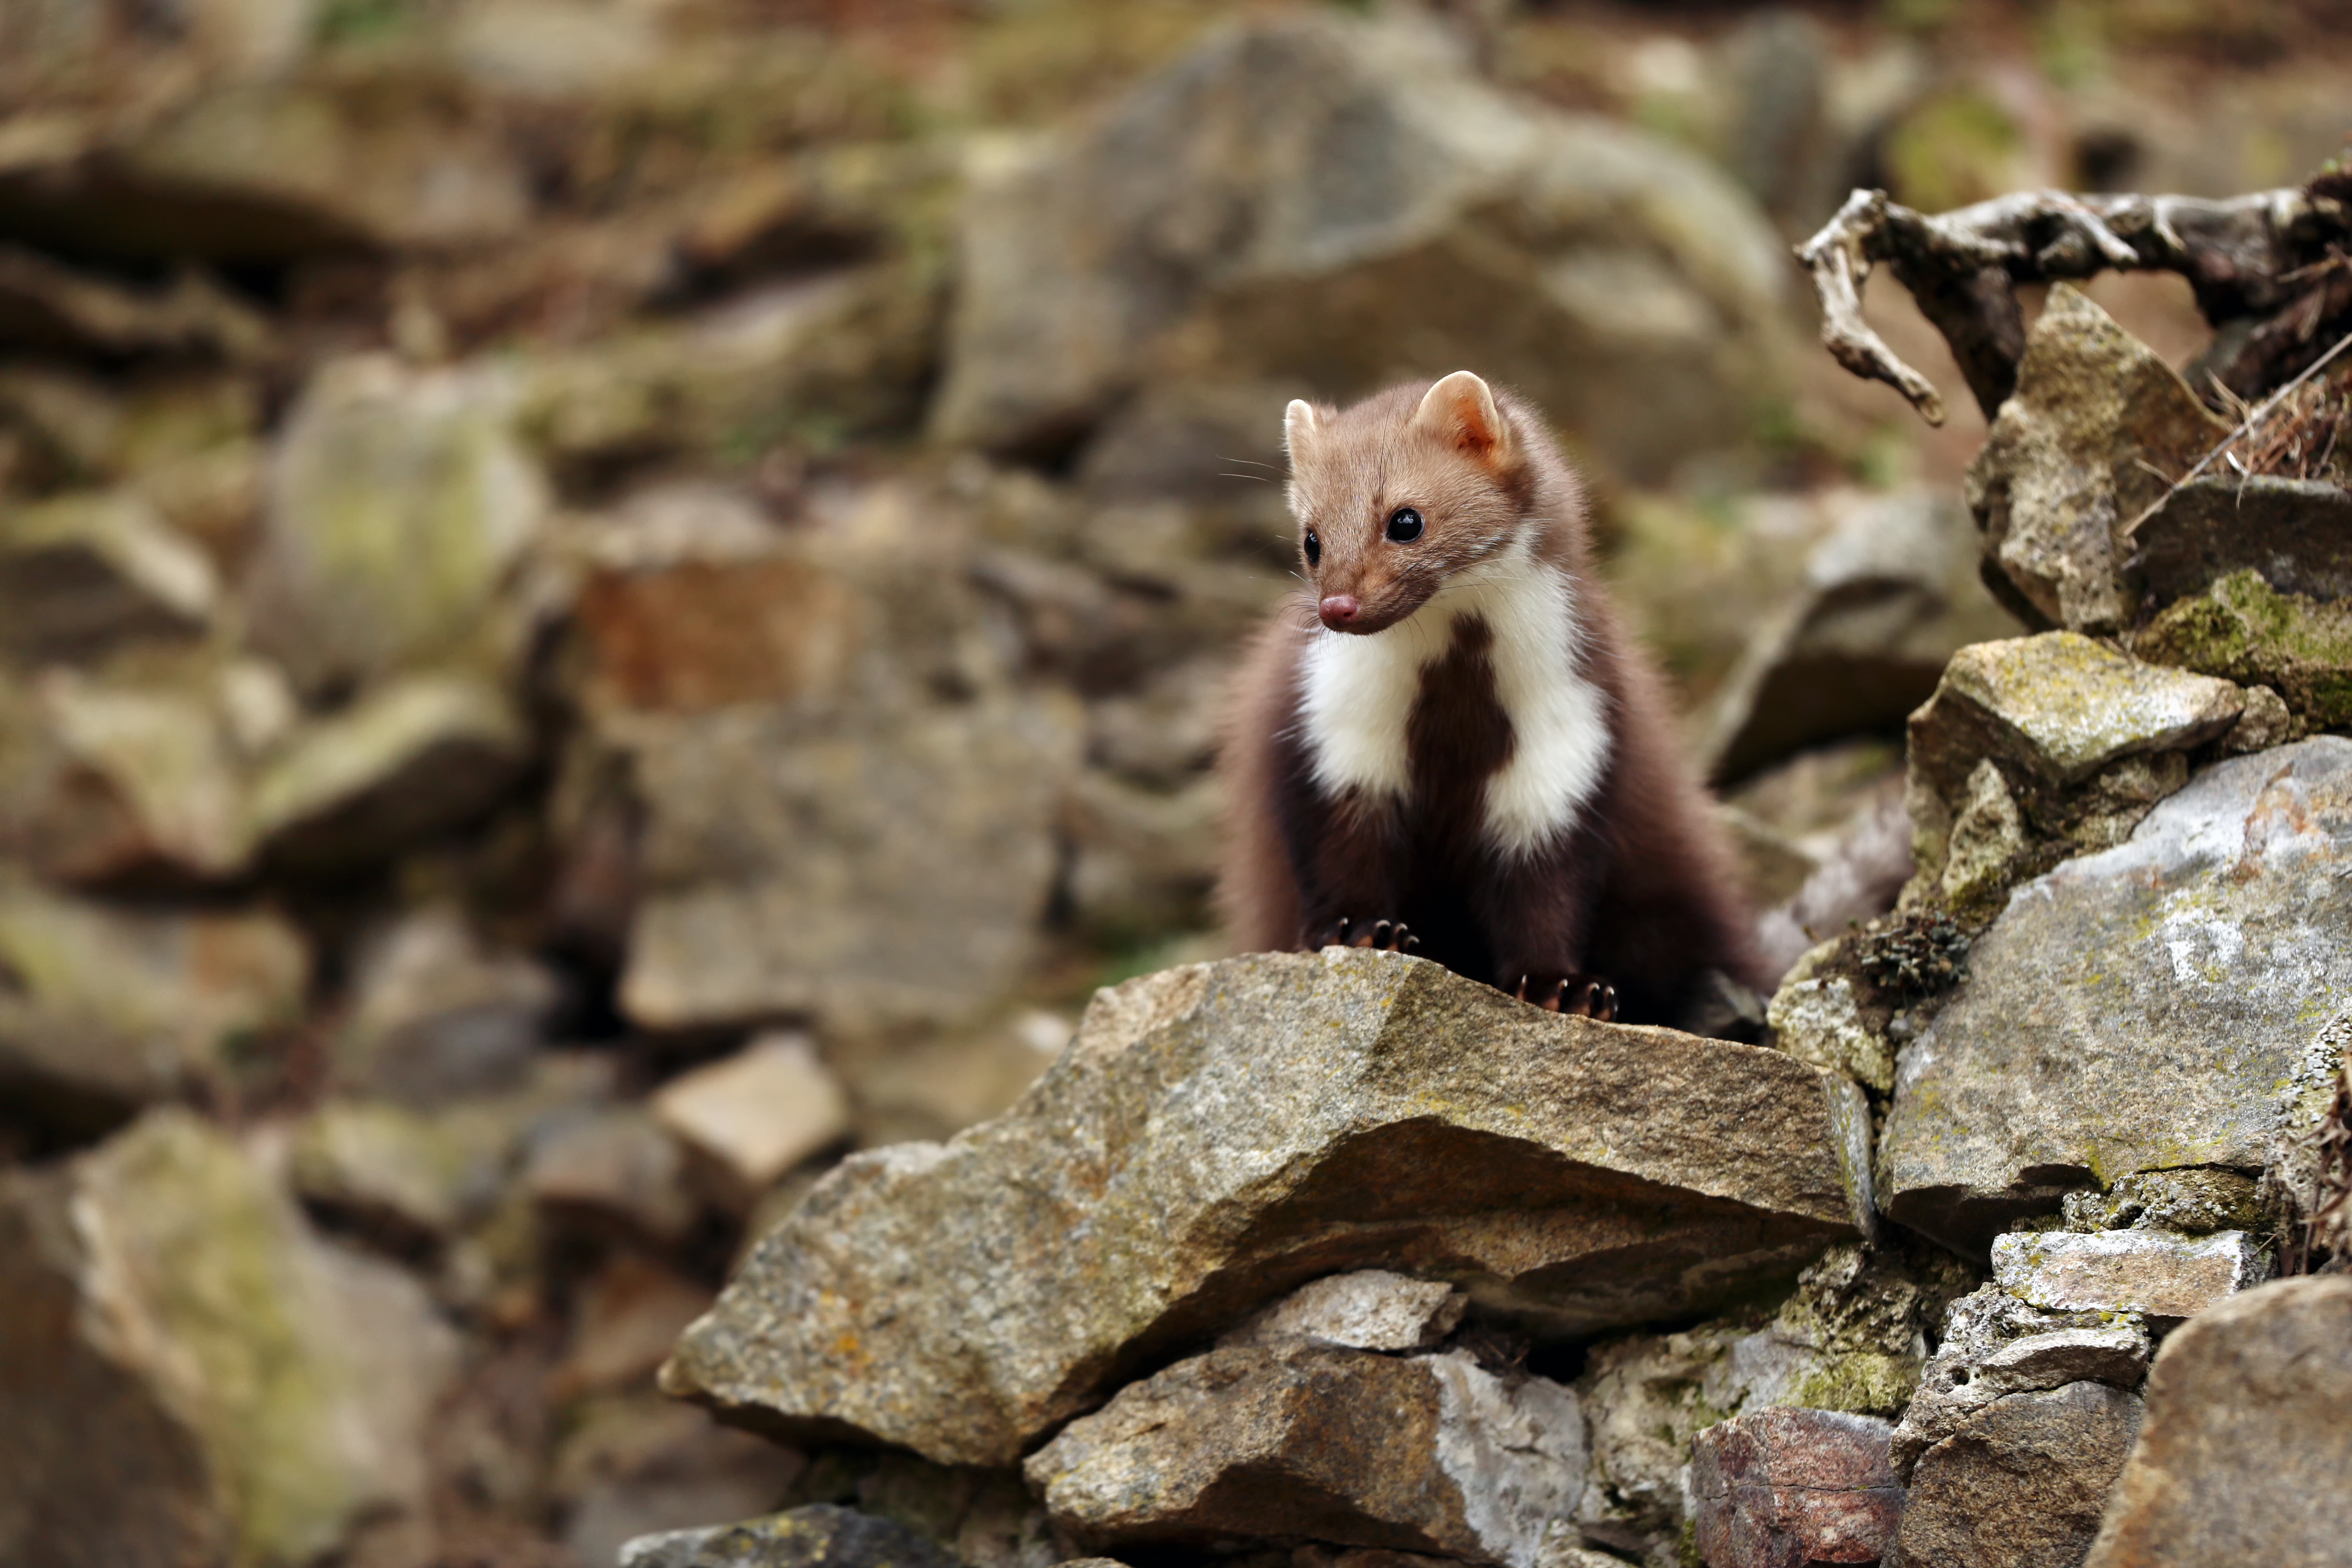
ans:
x=1450 y=734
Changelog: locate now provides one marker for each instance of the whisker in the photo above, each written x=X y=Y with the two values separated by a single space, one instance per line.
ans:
x=1261 y=478
x=1247 y=462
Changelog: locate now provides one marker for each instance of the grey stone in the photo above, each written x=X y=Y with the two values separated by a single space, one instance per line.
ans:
x=1988 y=838
x=104 y=1009
x=2246 y=1446
x=1299 y=198
x=2066 y=466
x=192 y=1374
x=2196 y=1202
x=637 y=1464
x=1995 y=1344
x=2266 y=722
x=2136 y=1009
x=1888 y=598
x=1221 y=1134
x=82 y=576
x=1315 y=1442
x=1820 y=1021
x=399 y=501
x=436 y=1015
x=2023 y=1481
x=751 y=1117
x=2156 y=1272
x=404 y=1177
x=2292 y=532
x=2061 y=707
x=1370 y=1309
x=611 y=1171
x=1785 y=1489
x=818 y=1536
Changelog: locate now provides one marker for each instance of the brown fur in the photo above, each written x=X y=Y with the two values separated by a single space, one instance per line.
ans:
x=1641 y=891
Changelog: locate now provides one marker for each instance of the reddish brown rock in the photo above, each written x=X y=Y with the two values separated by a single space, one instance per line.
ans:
x=1787 y=1489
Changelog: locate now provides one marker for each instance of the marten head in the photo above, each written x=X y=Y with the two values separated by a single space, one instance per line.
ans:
x=1401 y=493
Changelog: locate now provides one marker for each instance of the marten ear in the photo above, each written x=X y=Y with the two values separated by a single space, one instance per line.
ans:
x=1460 y=410
x=1299 y=425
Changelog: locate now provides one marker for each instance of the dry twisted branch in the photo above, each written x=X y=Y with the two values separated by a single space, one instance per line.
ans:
x=2271 y=273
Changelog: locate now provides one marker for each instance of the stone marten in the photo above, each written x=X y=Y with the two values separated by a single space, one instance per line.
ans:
x=1447 y=746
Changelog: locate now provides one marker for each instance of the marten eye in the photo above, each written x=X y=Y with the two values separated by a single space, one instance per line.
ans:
x=1404 y=525
x=1314 y=549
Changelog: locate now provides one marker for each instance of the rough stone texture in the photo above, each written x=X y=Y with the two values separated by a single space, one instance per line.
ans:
x=1888 y=598
x=1995 y=1344
x=818 y=1536
x=1301 y=198
x=2134 y=1009
x=755 y=1115
x=419 y=754
x=1318 y=1443
x=2021 y=1483
x=2061 y=707
x=2196 y=1202
x=1789 y=1489
x=2246 y=630
x=400 y=502
x=1370 y=1309
x=2293 y=533
x=2060 y=473
x=1820 y=1021
x=1220 y=1133
x=82 y=576
x=2157 y=1272
x=192 y=1375
x=104 y=1009
x=2247 y=1442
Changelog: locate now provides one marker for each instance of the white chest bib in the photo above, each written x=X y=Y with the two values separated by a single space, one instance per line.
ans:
x=1358 y=693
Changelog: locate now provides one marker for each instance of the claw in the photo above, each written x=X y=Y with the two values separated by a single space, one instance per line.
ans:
x=1410 y=944
x=1378 y=937
x=1521 y=993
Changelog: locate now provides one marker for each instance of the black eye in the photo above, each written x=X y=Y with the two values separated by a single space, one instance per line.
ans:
x=1314 y=549
x=1404 y=525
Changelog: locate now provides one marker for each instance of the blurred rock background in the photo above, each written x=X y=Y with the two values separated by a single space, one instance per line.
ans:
x=604 y=600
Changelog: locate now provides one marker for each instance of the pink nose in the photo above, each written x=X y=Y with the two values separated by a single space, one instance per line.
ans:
x=1340 y=611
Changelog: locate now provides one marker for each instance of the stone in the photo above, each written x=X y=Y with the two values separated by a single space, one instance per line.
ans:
x=193 y=1375
x=611 y=1172
x=2290 y=532
x=1988 y=838
x=638 y=1464
x=2134 y=1009
x=696 y=635
x=53 y=311
x=1219 y=1135
x=1285 y=1443
x=1821 y=1022
x=436 y=1015
x=1143 y=860
x=399 y=502
x=797 y=865
x=933 y=1088
x=103 y=1009
x=1787 y=1489
x=2020 y=1482
x=82 y=575
x=625 y=1321
x=2243 y=1455
x=2072 y=458
x=2156 y=1272
x=2198 y=1200
x=2266 y=722
x=419 y=754
x=756 y=1114
x=1370 y=1309
x=407 y=1179
x=818 y=1536
x=1995 y=1344
x=1888 y=598
x=2242 y=628
x=2061 y=707
x=1299 y=197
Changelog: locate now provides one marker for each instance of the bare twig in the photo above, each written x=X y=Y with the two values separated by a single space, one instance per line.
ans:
x=2272 y=258
x=2252 y=420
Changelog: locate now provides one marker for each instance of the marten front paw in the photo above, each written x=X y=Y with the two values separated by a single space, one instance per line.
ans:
x=1586 y=995
x=1384 y=936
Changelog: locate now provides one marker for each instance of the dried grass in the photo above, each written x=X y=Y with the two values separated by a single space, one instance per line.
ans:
x=2308 y=436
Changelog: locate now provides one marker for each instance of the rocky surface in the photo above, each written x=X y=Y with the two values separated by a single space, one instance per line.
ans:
x=1208 y=1180
x=253 y=1391
x=2242 y=1452
x=2025 y=1480
x=2155 y=1272
x=2134 y=1009
x=820 y=1536
x=1794 y=1487
x=1429 y=1454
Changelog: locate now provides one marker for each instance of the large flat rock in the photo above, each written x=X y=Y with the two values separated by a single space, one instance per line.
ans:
x=1221 y=1134
x=2247 y=1446
x=2142 y=1008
